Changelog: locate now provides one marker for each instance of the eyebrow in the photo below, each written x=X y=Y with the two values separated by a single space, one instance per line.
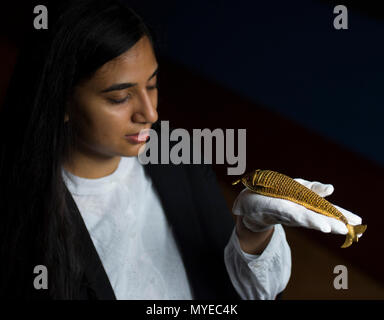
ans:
x=125 y=85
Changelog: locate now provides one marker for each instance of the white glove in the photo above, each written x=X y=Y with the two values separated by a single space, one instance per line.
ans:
x=262 y=212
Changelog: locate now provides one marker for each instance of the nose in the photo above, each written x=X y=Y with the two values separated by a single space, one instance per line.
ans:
x=146 y=111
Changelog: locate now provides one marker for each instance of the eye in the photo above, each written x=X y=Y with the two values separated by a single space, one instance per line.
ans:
x=115 y=101
x=153 y=87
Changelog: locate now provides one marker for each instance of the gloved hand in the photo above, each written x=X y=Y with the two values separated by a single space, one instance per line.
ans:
x=262 y=212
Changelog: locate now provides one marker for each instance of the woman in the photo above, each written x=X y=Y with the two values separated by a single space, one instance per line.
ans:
x=75 y=198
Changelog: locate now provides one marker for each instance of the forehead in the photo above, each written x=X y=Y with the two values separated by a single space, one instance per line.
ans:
x=135 y=65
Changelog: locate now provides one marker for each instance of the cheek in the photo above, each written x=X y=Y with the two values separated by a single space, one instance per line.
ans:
x=112 y=125
x=105 y=125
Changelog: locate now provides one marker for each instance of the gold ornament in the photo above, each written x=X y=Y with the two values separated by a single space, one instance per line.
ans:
x=273 y=184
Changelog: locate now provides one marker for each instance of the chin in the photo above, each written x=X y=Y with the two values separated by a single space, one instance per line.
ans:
x=134 y=151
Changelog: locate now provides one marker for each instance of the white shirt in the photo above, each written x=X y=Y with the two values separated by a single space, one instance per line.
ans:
x=127 y=224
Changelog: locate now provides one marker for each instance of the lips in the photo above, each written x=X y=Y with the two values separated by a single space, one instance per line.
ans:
x=139 y=137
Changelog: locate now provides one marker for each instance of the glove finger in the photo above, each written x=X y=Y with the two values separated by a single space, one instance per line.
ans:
x=321 y=189
x=334 y=226
x=337 y=226
x=317 y=222
x=300 y=216
x=352 y=218
x=324 y=223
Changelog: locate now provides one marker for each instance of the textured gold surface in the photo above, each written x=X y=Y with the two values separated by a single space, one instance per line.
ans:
x=273 y=184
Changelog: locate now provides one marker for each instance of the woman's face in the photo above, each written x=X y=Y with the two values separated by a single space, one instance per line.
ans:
x=118 y=101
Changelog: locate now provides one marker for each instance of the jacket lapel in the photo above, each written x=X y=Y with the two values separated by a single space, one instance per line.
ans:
x=96 y=282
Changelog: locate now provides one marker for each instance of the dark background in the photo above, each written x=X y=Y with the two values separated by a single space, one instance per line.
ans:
x=309 y=96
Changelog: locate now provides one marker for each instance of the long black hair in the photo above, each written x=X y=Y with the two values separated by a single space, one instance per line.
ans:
x=36 y=228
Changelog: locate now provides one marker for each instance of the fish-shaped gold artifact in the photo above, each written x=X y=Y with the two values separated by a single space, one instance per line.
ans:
x=273 y=184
